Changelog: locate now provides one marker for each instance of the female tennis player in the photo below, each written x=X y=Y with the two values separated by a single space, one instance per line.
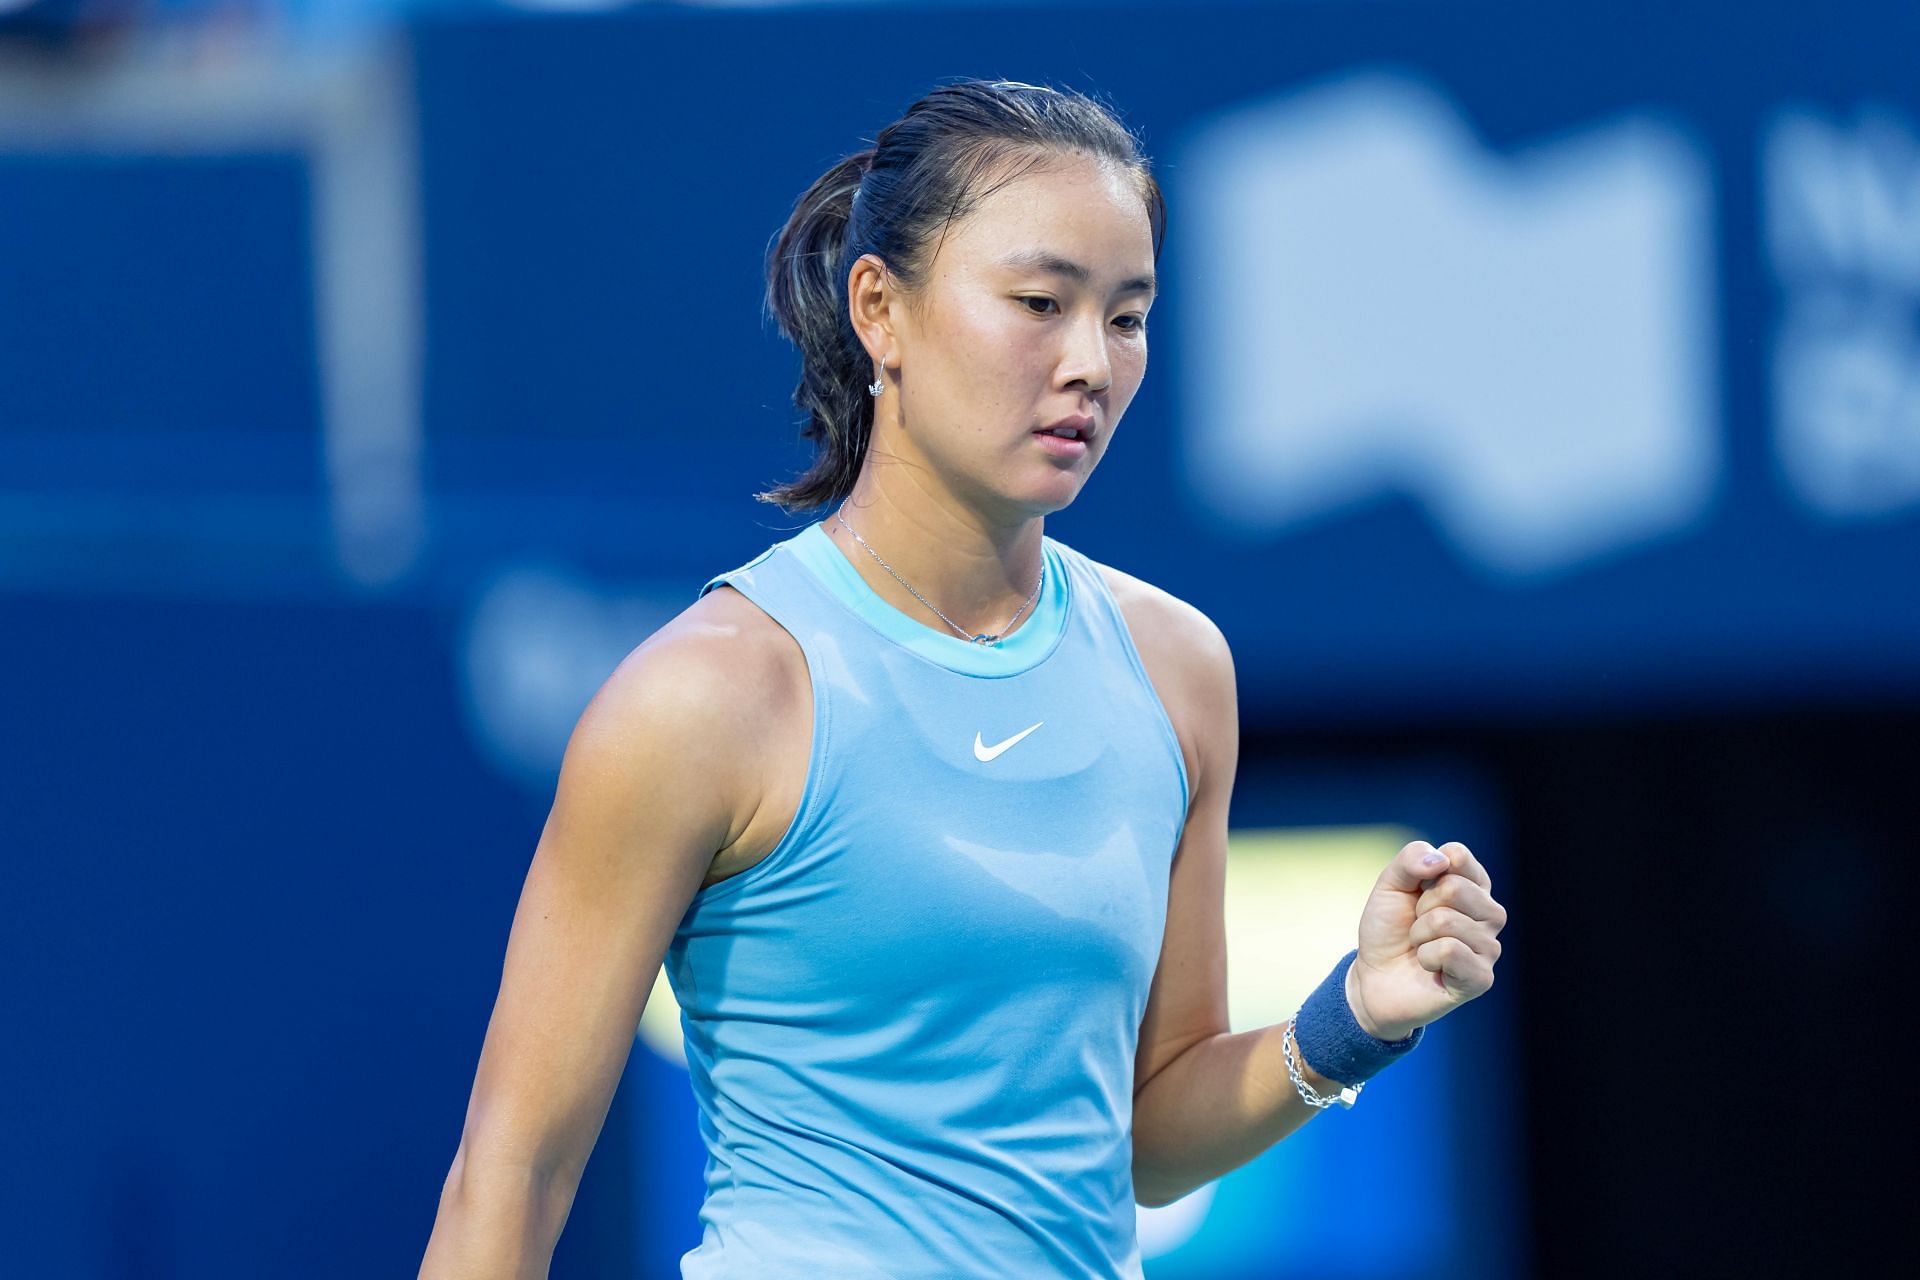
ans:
x=924 y=811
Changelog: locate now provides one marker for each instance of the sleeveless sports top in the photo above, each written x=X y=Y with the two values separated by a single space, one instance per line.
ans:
x=910 y=1028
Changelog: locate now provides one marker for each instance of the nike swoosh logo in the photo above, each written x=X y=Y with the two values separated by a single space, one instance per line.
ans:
x=983 y=752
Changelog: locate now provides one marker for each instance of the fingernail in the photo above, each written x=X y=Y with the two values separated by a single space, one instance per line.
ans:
x=1433 y=860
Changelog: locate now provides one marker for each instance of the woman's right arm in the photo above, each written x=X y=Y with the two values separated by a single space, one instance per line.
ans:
x=651 y=786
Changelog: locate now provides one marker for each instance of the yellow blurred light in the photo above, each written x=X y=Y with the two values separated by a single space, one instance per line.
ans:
x=1293 y=908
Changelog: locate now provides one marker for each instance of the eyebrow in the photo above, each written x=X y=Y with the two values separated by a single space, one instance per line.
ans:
x=1054 y=264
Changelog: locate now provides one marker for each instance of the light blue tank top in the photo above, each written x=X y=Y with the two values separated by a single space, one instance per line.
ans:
x=911 y=1027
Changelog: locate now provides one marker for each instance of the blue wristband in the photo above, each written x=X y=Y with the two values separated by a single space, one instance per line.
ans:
x=1333 y=1043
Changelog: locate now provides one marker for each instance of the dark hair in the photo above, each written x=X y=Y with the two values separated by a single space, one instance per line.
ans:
x=918 y=177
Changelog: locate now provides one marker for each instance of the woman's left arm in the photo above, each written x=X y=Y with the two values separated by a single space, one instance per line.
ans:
x=1207 y=1099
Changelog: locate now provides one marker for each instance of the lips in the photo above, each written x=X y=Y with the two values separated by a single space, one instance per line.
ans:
x=1080 y=424
x=1062 y=446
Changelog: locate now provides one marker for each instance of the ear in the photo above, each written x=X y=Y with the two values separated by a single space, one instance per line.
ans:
x=874 y=303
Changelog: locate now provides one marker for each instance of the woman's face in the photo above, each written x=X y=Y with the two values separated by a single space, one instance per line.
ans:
x=1034 y=310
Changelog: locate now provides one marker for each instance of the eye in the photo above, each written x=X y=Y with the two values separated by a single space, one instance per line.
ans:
x=1135 y=324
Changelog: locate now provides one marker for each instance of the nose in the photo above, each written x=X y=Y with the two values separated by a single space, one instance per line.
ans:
x=1086 y=358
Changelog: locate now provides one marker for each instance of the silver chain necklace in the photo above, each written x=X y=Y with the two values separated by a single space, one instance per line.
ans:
x=982 y=638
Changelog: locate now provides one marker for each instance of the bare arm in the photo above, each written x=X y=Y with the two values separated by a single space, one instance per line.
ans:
x=1208 y=1099
x=1205 y=1100
x=649 y=790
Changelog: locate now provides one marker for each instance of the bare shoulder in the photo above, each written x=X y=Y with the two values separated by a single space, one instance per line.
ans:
x=728 y=681
x=718 y=664
x=1162 y=614
x=1189 y=662
x=734 y=686
x=728 y=645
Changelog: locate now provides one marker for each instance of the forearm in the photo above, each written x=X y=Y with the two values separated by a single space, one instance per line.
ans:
x=1218 y=1105
x=496 y=1221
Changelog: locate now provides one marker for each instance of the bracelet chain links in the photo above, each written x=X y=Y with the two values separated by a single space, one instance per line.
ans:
x=1348 y=1095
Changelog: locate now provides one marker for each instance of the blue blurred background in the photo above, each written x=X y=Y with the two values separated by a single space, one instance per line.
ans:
x=1535 y=406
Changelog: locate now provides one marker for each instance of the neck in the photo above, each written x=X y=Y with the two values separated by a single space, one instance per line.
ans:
x=976 y=571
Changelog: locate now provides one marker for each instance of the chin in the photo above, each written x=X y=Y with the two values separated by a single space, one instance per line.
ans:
x=1058 y=496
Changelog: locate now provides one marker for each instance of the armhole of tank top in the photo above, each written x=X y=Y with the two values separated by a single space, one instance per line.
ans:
x=1172 y=735
x=803 y=812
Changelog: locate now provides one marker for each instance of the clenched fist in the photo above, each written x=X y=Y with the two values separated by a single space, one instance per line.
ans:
x=1429 y=936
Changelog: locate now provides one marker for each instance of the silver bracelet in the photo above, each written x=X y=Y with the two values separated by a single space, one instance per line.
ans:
x=1348 y=1095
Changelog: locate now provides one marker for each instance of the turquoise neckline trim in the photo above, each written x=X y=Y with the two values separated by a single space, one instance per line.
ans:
x=1032 y=640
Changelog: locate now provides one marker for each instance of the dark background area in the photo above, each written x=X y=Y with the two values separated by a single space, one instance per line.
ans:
x=1706 y=911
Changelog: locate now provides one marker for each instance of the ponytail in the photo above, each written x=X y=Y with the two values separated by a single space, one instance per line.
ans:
x=807 y=297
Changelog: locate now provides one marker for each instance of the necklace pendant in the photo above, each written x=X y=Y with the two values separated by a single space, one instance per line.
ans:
x=983 y=638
